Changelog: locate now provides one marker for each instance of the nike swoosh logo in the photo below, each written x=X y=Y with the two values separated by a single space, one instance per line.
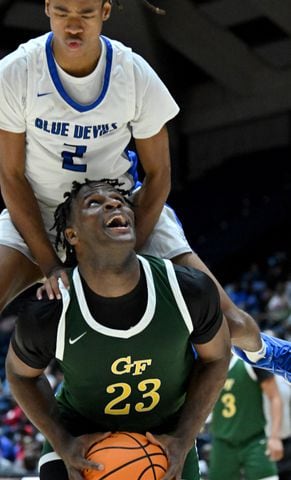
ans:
x=72 y=341
x=44 y=94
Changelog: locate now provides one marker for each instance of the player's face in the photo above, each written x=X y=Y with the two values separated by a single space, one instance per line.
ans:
x=77 y=25
x=102 y=216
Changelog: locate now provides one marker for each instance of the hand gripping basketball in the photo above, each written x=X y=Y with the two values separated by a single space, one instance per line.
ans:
x=127 y=455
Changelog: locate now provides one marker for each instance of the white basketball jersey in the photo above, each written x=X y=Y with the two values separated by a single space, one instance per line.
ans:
x=69 y=141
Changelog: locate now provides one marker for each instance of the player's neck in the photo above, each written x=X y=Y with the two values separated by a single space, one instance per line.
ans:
x=79 y=68
x=111 y=278
x=78 y=65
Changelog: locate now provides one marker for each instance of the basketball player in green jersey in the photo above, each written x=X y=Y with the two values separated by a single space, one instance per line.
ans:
x=123 y=336
x=239 y=442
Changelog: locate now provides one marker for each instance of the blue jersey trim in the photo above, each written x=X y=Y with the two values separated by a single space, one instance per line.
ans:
x=133 y=159
x=57 y=82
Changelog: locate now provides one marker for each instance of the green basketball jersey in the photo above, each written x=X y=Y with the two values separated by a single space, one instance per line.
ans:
x=238 y=414
x=132 y=379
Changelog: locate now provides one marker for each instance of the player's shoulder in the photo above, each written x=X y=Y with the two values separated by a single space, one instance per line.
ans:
x=40 y=310
x=143 y=72
x=190 y=279
x=194 y=279
x=117 y=45
x=18 y=58
x=156 y=263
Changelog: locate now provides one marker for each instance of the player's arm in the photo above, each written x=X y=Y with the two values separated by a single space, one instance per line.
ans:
x=22 y=204
x=154 y=156
x=275 y=446
x=208 y=379
x=33 y=393
x=244 y=331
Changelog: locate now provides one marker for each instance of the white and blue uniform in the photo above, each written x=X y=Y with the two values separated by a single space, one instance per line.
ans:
x=79 y=128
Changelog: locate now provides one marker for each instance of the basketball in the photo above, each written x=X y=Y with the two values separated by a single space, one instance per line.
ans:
x=127 y=455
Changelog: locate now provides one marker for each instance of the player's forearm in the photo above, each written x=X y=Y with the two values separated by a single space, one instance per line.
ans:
x=276 y=416
x=275 y=447
x=36 y=399
x=149 y=202
x=154 y=156
x=204 y=387
x=244 y=330
x=25 y=214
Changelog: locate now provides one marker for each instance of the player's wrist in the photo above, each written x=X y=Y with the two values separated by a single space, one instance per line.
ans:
x=50 y=268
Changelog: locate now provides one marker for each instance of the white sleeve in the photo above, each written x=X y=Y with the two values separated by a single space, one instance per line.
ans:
x=155 y=105
x=13 y=93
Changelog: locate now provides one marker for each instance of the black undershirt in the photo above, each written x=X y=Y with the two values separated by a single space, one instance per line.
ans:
x=34 y=338
x=118 y=312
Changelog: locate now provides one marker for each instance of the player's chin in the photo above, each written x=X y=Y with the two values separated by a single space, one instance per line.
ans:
x=122 y=234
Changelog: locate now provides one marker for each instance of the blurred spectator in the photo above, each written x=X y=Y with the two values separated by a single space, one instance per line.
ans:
x=278 y=308
x=7 y=447
x=288 y=290
x=237 y=294
x=243 y=295
x=5 y=397
x=255 y=278
x=277 y=269
x=239 y=443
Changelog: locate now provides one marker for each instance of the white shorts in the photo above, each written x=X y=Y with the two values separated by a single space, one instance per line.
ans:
x=166 y=241
x=10 y=237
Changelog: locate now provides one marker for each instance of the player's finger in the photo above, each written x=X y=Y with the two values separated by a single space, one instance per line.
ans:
x=53 y=286
x=75 y=474
x=40 y=291
x=171 y=474
x=49 y=290
x=87 y=464
x=154 y=440
x=57 y=293
x=64 y=277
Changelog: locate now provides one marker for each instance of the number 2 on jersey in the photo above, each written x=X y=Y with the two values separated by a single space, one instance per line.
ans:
x=70 y=158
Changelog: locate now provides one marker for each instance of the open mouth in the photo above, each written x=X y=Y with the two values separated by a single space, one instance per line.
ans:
x=74 y=43
x=118 y=221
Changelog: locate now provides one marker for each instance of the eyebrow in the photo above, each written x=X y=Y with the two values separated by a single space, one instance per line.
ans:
x=110 y=192
x=83 y=11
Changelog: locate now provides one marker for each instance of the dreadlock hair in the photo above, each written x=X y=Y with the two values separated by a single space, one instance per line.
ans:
x=62 y=215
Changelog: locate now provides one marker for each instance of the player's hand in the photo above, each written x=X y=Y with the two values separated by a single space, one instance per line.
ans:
x=51 y=284
x=74 y=454
x=275 y=449
x=176 y=449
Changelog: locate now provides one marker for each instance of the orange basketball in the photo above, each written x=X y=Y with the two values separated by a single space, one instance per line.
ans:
x=127 y=455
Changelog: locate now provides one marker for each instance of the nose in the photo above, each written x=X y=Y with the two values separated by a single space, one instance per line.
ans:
x=112 y=203
x=73 y=26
